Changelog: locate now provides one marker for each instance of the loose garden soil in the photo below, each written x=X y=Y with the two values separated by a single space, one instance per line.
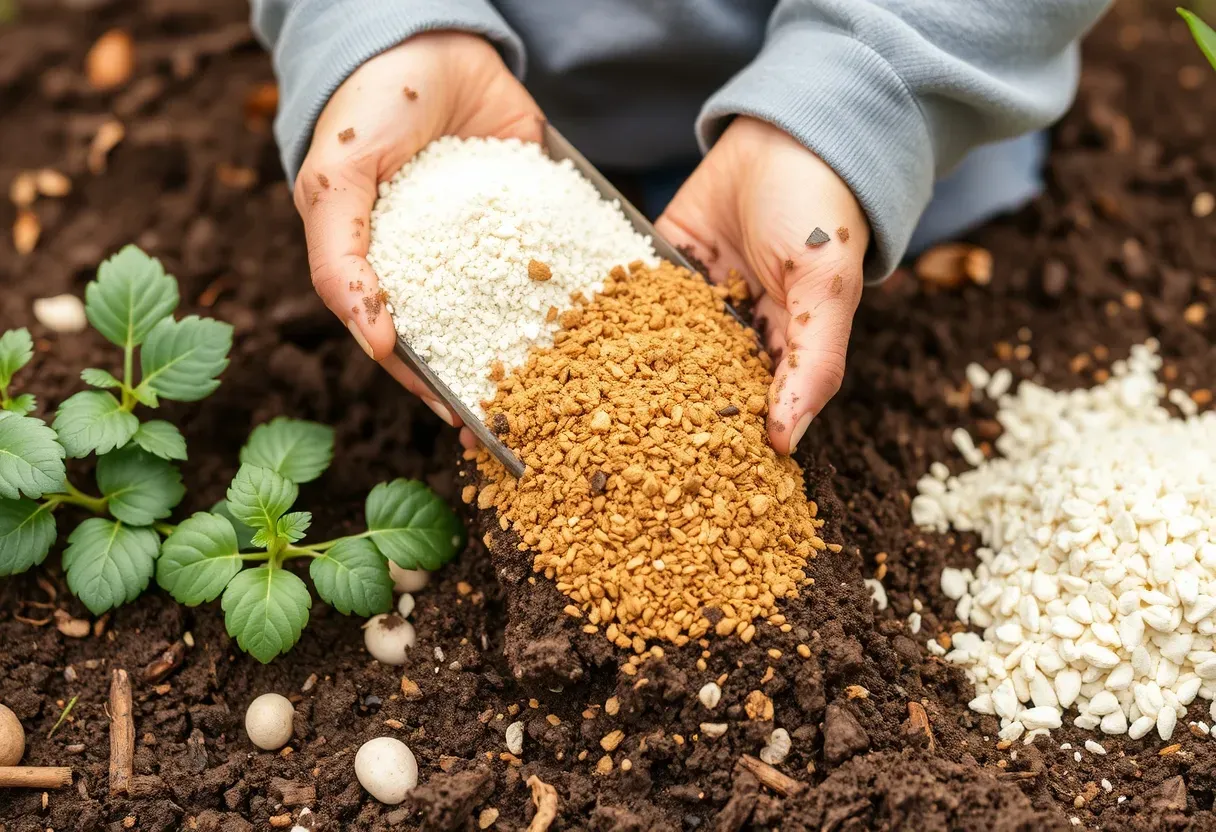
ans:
x=1111 y=255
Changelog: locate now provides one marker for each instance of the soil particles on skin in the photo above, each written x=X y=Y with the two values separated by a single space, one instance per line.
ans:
x=179 y=160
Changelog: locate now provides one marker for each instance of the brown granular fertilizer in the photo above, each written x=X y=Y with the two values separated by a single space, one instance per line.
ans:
x=652 y=497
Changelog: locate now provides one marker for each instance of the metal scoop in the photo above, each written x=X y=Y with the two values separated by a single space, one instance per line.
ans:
x=558 y=148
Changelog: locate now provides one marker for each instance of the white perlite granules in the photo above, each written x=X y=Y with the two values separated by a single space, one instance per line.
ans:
x=1097 y=583
x=480 y=245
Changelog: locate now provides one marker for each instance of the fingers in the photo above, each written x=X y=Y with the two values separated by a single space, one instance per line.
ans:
x=820 y=304
x=335 y=202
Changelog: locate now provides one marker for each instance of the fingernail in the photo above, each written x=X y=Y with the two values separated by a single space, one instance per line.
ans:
x=359 y=339
x=441 y=410
x=799 y=431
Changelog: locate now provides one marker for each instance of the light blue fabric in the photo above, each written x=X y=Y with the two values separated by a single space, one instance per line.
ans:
x=891 y=93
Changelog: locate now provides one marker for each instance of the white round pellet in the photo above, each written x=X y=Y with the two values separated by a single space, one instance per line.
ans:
x=268 y=721
x=408 y=580
x=388 y=637
x=778 y=747
x=386 y=768
x=61 y=313
x=710 y=695
x=405 y=605
x=12 y=738
x=515 y=738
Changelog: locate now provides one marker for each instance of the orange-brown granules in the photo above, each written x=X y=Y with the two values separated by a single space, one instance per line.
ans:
x=653 y=495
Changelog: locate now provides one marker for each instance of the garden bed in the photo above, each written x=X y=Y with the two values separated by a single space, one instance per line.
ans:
x=1111 y=255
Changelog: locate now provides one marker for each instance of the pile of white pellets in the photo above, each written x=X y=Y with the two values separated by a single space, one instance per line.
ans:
x=481 y=244
x=1096 y=586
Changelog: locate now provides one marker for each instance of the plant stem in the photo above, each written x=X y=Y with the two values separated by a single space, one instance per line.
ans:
x=329 y=544
x=302 y=552
x=73 y=496
x=256 y=556
x=128 y=366
x=67 y=710
x=165 y=529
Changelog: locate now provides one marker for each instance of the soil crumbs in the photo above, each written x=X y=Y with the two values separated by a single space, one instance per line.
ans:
x=881 y=737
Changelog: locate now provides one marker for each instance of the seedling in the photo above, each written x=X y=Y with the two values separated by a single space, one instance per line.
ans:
x=266 y=607
x=110 y=557
x=1203 y=34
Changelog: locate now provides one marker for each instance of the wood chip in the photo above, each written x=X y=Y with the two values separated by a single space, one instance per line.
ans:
x=920 y=720
x=544 y=797
x=770 y=777
x=23 y=190
x=26 y=231
x=110 y=61
x=51 y=183
x=122 y=733
x=108 y=137
x=817 y=238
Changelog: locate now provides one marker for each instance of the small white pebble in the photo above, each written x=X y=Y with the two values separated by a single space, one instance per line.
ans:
x=1094 y=747
x=61 y=313
x=713 y=729
x=778 y=747
x=1107 y=786
x=710 y=695
x=1076 y=755
x=515 y=738
x=268 y=721
x=386 y=768
x=408 y=580
x=1121 y=799
x=878 y=592
x=914 y=622
x=405 y=605
x=388 y=637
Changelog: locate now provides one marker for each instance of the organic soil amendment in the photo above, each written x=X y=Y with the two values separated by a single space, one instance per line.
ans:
x=1095 y=586
x=480 y=244
x=881 y=736
x=652 y=494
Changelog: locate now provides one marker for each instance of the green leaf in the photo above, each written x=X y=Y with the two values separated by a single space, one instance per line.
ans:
x=31 y=460
x=258 y=496
x=108 y=563
x=131 y=295
x=244 y=534
x=412 y=526
x=141 y=487
x=93 y=421
x=27 y=531
x=161 y=438
x=16 y=350
x=145 y=396
x=181 y=359
x=21 y=405
x=1203 y=34
x=99 y=378
x=199 y=559
x=293 y=526
x=299 y=450
x=352 y=577
x=265 y=610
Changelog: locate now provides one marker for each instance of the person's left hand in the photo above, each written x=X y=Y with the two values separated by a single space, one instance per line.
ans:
x=750 y=206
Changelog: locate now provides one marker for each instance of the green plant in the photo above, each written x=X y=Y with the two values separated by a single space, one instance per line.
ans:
x=110 y=557
x=266 y=607
x=1203 y=34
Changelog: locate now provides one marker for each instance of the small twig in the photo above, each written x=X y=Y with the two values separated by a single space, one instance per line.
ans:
x=769 y=777
x=1019 y=775
x=35 y=777
x=63 y=716
x=545 y=798
x=165 y=664
x=122 y=733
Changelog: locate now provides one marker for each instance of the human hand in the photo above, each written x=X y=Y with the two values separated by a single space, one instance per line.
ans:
x=432 y=85
x=751 y=205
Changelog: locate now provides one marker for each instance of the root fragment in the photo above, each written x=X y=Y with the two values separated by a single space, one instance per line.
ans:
x=544 y=797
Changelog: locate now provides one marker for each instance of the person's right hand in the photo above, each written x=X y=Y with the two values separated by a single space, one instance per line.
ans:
x=432 y=85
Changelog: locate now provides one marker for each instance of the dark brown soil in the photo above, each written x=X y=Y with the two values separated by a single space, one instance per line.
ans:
x=196 y=182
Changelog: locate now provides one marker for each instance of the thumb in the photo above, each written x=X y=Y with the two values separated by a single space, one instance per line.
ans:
x=821 y=300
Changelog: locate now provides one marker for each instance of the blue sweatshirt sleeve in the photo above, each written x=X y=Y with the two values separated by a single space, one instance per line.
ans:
x=316 y=44
x=893 y=93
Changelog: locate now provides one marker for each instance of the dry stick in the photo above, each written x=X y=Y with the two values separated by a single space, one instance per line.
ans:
x=545 y=798
x=122 y=733
x=769 y=777
x=35 y=777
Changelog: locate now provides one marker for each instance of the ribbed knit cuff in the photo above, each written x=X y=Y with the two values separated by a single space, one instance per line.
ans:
x=323 y=41
x=844 y=102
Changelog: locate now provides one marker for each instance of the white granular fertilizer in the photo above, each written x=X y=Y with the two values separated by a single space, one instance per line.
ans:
x=453 y=235
x=1097 y=584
